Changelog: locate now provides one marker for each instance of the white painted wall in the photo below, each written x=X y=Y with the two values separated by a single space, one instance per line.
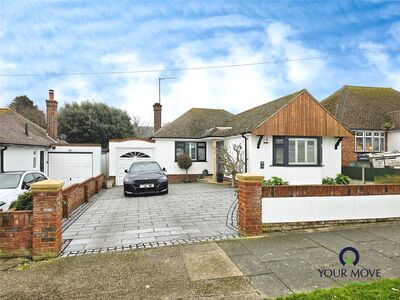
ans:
x=303 y=209
x=21 y=158
x=393 y=140
x=165 y=156
x=95 y=150
x=331 y=162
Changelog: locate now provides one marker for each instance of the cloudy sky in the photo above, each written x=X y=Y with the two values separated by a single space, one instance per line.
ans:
x=361 y=40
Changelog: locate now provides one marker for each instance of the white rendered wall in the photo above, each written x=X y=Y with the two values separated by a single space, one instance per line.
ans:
x=393 y=140
x=303 y=209
x=165 y=156
x=95 y=150
x=331 y=162
x=115 y=147
x=20 y=158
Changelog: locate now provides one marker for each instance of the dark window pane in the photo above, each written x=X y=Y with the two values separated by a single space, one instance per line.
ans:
x=279 y=155
x=292 y=151
x=201 y=154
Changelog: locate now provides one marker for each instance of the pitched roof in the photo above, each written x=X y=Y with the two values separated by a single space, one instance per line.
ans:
x=252 y=118
x=201 y=122
x=359 y=107
x=12 y=130
x=194 y=123
x=395 y=119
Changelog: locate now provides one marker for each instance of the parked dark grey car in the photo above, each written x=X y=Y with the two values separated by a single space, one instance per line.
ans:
x=145 y=177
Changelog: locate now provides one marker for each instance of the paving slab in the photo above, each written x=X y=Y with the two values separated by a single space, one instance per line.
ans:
x=269 y=286
x=210 y=264
x=189 y=211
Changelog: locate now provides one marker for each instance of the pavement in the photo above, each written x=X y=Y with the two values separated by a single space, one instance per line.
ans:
x=286 y=263
x=190 y=211
x=247 y=268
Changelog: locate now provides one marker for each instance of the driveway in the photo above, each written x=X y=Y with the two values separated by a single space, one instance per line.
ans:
x=189 y=213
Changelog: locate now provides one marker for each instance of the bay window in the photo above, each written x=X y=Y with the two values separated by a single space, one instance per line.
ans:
x=195 y=150
x=292 y=151
x=369 y=141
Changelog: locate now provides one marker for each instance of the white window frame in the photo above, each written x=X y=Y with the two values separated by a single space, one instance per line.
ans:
x=381 y=140
x=306 y=140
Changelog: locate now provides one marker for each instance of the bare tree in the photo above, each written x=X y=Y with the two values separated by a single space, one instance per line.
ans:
x=142 y=127
x=231 y=160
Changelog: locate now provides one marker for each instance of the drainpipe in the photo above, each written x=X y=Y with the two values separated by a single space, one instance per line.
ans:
x=245 y=151
x=2 y=158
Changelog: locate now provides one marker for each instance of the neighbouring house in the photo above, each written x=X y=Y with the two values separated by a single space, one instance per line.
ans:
x=27 y=146
x=292 y=137
x=372 y=114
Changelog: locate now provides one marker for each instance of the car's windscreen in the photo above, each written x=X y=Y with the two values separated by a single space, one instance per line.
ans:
x=9 y=181
x=148 y=167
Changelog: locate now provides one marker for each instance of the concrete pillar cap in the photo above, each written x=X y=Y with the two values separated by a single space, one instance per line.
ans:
x=47 y=185
x=249 y=177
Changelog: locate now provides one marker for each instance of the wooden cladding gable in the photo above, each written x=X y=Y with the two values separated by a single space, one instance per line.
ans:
x=303 y=116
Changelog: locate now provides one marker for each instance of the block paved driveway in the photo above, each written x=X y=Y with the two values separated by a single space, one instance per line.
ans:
x=194 y=211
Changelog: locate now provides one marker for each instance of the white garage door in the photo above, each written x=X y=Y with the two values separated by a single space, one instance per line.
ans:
x=127 y=156
x=70 y=167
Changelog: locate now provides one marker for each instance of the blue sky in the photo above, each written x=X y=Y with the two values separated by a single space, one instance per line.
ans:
x=94 y=36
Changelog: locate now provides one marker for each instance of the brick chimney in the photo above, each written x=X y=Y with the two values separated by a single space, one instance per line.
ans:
x=51 y=108
x=157 y=116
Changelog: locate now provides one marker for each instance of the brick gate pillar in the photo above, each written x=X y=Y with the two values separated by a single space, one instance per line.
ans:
x=47 y=218
x=249 y=203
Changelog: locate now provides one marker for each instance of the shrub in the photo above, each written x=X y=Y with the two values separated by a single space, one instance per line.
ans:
x=342 y=179
x=328 y=180
x=275 y=181
x=24 y=202
x=387 y=179
x=184 y=162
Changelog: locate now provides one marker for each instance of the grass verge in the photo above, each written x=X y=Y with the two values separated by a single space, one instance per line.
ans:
x=385 y=289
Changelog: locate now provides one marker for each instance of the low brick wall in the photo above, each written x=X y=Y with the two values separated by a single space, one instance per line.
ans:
x=99 y=182
x=73 y=197
x=329 y=190
x=89 y=188
x=276 y=227
x=16 y=233
x=181 y=178
x=318 y=206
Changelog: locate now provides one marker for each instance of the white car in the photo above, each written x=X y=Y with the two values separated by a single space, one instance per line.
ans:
x=12 y=184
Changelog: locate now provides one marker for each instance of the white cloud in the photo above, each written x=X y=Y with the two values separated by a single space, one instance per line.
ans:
x=380 y=60
x=234 y=89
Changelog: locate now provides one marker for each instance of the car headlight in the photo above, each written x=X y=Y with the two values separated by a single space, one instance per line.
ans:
x=164 y=178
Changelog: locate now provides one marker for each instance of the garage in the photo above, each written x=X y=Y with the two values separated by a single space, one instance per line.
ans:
x=127 y=156
x=123 y=152
x=73 y=164
x=70 y=167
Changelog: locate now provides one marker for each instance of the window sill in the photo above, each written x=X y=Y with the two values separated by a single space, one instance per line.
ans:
x=296 y=166
x=194 y=161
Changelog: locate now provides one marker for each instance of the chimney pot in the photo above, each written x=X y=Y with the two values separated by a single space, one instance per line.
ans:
x=51 y=94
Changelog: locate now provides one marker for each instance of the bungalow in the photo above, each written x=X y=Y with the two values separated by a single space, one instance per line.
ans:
x=292 y=137
x=26 y=146
x=372 y=114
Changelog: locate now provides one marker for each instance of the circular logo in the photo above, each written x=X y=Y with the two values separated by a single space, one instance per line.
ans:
x=350 y=261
